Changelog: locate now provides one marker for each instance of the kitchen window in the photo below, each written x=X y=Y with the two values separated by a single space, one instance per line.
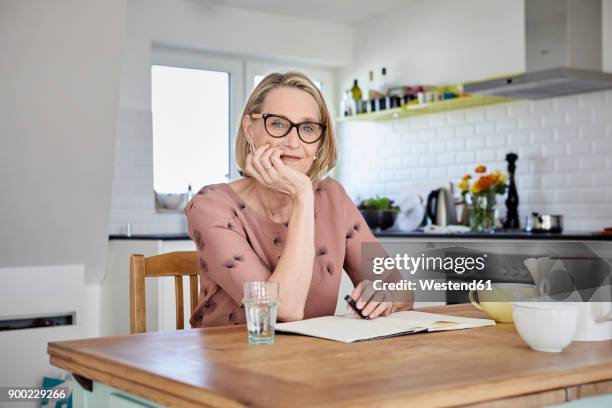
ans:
x=193 y=102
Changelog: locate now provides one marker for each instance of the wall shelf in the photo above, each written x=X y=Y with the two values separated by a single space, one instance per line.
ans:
x=409 y=110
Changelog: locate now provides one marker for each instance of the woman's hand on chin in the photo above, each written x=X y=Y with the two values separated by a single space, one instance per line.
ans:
x=266 y=166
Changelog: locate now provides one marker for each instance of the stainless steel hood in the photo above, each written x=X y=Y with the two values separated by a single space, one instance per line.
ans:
x=563 y=53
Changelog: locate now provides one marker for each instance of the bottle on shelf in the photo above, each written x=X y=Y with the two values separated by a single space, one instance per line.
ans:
x=384 y=85
x=357 y=97
x=370 y=92
x=345 y=104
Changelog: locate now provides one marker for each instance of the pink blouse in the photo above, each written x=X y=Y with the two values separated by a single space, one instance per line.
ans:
x=236 y=244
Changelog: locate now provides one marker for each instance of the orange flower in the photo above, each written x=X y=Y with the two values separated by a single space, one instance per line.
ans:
x=467 y=177
x=484 y=183
x=480 y=169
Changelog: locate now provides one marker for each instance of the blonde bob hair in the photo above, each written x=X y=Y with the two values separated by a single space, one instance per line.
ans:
x=326 y=151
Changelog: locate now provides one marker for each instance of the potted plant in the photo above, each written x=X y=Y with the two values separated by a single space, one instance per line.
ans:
x=482 y=193
x=379 y=212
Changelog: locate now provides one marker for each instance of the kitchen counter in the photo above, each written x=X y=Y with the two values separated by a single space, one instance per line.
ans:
x=520 y=235
x=216 y=367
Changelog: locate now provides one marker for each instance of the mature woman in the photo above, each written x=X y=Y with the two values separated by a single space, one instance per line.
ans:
x=281 y=222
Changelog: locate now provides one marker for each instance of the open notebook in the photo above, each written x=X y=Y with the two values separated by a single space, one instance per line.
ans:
x=349 y=328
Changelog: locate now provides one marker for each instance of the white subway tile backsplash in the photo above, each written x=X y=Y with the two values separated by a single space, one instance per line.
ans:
x=578 y=179
x=593 y=162
x=455 y=145
x=394 y=163
x=542 y=135
x=578 y=118
x=557 y=119
x=497 y=140
x=565 y=134
x=455 y=117
x=592 y=131
x=518 y=109
x=428 y=160
x=518 y=138
x=427 y=135
x=437 y=146
x=437 y=173
x=466 y=157
x=464 y=131
x=483 y=156
x=602 y=115
x=475 y=143
x=507 y=125
x=445 y=133
x=446 y=159
x=529 y=151
x=592 y=100
x=542 y=107
x=564 y=147
x=496 y=112
x=529 y=122
x=602 y=145
x=419 y=148
x=553 y=149
x=485 y=128
x=475 y=115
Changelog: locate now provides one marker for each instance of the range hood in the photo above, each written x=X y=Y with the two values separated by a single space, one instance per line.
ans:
x=563 y=53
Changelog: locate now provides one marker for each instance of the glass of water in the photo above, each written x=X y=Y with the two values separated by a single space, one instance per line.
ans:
x=260 y=304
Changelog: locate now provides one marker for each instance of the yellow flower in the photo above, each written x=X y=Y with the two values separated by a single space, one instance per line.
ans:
x=463 y=185
x=502 y=179
x=475 y=188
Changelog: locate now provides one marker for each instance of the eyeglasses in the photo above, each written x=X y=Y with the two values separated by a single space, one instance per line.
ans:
x=280 y=126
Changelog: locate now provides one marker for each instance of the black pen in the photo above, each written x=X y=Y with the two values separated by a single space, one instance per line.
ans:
x=353 y=306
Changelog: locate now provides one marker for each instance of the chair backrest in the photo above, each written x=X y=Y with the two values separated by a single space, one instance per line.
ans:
x=177 y=264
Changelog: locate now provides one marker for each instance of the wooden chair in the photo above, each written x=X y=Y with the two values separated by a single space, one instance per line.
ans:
x=177 y=264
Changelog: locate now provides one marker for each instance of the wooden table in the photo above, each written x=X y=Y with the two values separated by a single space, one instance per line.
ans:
x=216 y=367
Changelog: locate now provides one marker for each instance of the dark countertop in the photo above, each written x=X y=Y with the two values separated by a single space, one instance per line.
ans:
x=521 y=235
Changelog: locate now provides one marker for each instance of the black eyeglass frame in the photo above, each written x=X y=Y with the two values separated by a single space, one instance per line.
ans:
x=292 y=125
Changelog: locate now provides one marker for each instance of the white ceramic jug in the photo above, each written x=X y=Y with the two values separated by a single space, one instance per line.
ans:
x=594 y=321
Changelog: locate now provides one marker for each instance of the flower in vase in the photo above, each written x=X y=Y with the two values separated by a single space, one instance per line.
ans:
x=481 y=194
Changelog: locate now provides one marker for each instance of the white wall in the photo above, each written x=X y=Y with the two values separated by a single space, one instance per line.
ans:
x=207 y=30
x=59 y=75
x=439 y=42
x=564 y=147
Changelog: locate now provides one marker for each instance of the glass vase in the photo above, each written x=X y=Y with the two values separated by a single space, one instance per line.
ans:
x=482 y=213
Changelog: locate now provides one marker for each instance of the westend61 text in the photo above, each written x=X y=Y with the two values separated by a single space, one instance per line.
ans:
x=432 y=284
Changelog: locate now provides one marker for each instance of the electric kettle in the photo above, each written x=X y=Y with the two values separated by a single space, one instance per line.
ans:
x=440 y=207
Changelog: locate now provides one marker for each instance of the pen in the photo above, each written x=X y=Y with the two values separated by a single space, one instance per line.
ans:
x=353 y=306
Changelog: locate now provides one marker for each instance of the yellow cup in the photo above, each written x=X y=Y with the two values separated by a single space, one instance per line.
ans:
x=497 y=302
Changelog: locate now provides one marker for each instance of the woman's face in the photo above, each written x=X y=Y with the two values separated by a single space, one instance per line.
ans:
x=297 y=106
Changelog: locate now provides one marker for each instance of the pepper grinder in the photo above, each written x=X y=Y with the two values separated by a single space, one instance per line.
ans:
x=512 y=201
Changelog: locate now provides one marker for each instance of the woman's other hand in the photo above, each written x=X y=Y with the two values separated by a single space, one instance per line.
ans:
x=266 y=166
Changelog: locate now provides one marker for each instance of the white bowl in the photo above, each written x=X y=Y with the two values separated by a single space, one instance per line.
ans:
x=170 y=201
x=546 y=326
